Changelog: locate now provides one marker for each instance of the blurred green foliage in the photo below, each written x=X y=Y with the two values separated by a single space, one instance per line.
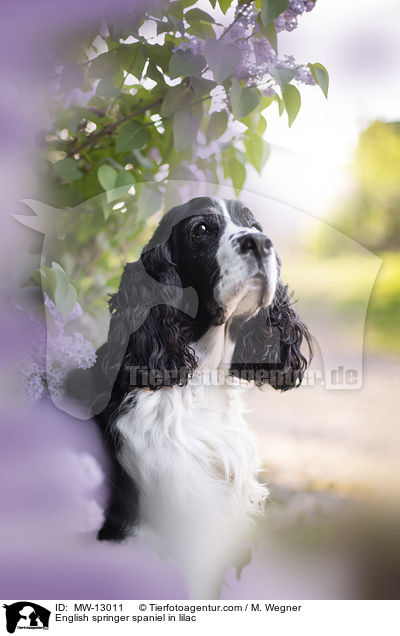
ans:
x=342 y=283
x=384 y=308
x=370 y=214
x=129 y=109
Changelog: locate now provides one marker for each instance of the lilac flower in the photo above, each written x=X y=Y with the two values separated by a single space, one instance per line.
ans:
x=264 y=53
x=258 y=56
x=268 y=91
x=304 y=75
x=310 y=4
x=31 y=371
x=193 y=44
x=66 y=349
x=32 y=381
x=287 y=21
x=297 y=7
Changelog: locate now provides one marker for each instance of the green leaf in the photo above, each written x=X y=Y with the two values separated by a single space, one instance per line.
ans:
x=104 y=65
x=66 y=297
x=67 y=169
x=144 y=161
x=153 y=73
x=321 y=76
x=266 y=154
x=116 y=183
x=177 y=97
x=56 y=284
x=281 y=106
x=257 y=151
x=160 y=55
x=200 y=23
x=185 y=128
x=255 y=122
x=237 y=173
x=124 y=178
x=176 y=9
x=216 y=125
x=198 y=14
x=61 y=289
x=48 y=280
x=171 y=25
x=131 y=136
x=243 y=99
x=282 y=75
x=269 y=31
x=222 y=58
x=292 y=100
x=185 y=64
x=107 y=177
x=106 y=88
x=37 y=277
x=132 y=58
x=56 y=265
x=202 y=86
x=224 y=5
x=271 y=9
x=266 y=101
x=201 y=29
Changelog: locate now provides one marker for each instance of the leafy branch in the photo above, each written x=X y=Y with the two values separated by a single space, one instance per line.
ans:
x=195 y=77
x=108 y=129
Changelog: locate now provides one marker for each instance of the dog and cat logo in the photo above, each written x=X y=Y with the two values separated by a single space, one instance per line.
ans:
x=26 y=615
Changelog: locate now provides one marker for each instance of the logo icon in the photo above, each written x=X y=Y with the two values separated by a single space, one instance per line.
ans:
x=26 y=615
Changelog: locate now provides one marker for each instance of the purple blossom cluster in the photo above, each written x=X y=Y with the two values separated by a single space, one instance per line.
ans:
x=288 y=20
x=259 y=59
x=47 y=366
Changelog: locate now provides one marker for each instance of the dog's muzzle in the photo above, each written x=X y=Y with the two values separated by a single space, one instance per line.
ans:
x=258 y=244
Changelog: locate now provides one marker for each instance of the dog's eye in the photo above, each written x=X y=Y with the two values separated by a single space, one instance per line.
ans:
x=256 y=226
x=199 y=230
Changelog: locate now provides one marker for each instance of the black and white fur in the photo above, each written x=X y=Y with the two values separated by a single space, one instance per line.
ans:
x=183 y=463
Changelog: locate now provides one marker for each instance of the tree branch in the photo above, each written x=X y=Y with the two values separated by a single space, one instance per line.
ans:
x=237 y=17
x=108 y=129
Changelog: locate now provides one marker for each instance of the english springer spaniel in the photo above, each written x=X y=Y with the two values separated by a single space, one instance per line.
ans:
x=200 y=314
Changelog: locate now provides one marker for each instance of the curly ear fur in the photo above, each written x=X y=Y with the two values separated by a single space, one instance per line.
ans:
x=268 y=346
x=148 y=338
x=149 y=334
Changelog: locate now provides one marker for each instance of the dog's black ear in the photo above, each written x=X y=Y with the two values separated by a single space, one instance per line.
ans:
x=149 y=334
x=268 y=347
x=148 y=337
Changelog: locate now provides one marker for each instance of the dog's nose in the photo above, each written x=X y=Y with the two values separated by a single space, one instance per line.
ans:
x=256 y=243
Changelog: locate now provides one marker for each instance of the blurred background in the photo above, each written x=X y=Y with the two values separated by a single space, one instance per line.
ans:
x=329 y=197
x=335 y=454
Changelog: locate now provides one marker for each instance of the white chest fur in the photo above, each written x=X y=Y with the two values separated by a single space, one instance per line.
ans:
x=194 y=460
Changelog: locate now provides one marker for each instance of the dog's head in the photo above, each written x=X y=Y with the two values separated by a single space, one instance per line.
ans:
x=208 y=264
x=208 y=267
x=217 y=248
